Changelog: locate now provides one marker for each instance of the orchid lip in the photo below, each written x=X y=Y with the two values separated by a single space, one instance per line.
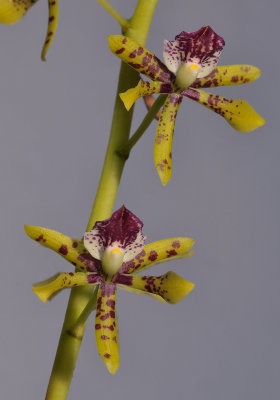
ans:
x=112 y=260
x=186 y=75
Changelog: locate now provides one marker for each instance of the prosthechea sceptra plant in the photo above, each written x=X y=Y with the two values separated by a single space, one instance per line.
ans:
x=113 y=248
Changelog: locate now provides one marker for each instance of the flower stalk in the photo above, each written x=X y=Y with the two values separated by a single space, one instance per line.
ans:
x=69 y=345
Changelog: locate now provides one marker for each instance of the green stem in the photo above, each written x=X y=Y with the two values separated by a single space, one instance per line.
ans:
x=124 y=24
x=78 y=328
x=69 y=346
x=125 y=150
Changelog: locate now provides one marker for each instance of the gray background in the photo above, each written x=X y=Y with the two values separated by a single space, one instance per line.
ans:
x=222 y=342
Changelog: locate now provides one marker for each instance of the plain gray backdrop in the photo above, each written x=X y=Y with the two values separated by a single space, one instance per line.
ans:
x=222 y=341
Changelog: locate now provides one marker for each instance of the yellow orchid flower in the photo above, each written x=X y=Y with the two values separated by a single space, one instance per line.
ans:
x=107 y=257
x=190 y=63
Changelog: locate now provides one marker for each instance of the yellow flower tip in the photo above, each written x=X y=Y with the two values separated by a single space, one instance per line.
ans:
x=33 y=232
x=112 y=365
x=177 y=287
x=46 y=289
x=248 y=120
x=114 y=41
x=127 y=100
x=12 y=11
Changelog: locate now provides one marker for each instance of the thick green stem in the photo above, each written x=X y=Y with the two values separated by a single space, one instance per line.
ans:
x=69 y=345
x=125 y=150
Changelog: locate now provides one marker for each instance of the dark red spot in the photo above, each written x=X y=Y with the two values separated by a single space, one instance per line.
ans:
x=63 y=250
x=176 y=244
x=104 y=337
x=74 y=245
x=153 y=255
x=120 y=51
x=97 y=326
x=111 y=303
x=234 y=78
x=40 y=238
x=107 y=355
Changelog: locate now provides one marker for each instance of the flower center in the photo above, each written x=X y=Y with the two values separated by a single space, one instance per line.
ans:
x=186 y=75
x=112 y=260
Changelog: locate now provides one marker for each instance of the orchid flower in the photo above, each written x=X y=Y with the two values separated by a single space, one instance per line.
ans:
x=190 y=63
x=12 y=11
x=107 y=257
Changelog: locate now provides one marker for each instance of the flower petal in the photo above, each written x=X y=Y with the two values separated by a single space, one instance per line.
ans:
x=164 y=137
x=47 y=288
x=106 y=328
x=238 y=113
x=144 y=88
x=52 y=26
x=228 y=75
x=11 y=11
x=170 y=287
x=122 y=230
x=156 y=251
x=139 y=58
x=202 y=47
x=72 y=250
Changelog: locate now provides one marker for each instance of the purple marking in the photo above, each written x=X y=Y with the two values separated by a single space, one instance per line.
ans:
x=63 y=250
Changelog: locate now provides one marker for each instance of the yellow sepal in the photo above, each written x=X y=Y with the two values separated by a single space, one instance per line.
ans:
x=106 y=330
x=142 y=89
x=229 y=75
x=162 y=250
x=238 y=113
x=46 y=289
x=164 y=138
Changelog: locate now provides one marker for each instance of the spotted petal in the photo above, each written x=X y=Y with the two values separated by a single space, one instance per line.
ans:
x=52 y=27
x=238 y=113
x=139 y=58
x=202 y=47
x=72 y=250
x=157 y=251
x=122 y=230
x=164 y=137
x=228 y=75
x=106 y=328
x=169 y=287
x=11 y=11
x=144 y=88
x=46 y=289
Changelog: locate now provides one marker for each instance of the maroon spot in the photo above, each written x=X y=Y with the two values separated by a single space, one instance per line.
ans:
x=74 y=245
x=71 y=273
x=111 y=303
x=133 y=54
x=104 y=337
x=40 y=238
x=140 y=51
x=97 y=326
x=63 y=249
x=111 y=327
x=234 y=78
x=107 y=355
x=120 y=51
x=176 y=244
x=153 y=255
x=171 y=253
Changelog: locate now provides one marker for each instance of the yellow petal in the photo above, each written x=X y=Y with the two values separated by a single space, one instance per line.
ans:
x=46 y=289
x=106 y=327
x=11 y=11
x=229 y=75
x=52 y=26
x=72 y=250
x=169 y=287
x=142 y=89
x=139 y=58
x=238 y=113
x=159 y=251
x=164 y=137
